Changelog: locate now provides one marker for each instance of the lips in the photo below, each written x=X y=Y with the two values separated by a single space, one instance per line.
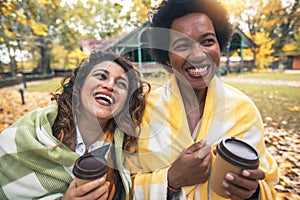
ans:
x=104 y=98
x=197 y=71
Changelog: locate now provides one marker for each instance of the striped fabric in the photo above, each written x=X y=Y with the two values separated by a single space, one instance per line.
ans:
x=165 y=134
x=31 y=169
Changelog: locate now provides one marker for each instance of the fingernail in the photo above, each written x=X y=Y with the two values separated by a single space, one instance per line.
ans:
x=101 y=180
x=229 y=177
x=225 y=185
x=227 y=193
x=246 y=173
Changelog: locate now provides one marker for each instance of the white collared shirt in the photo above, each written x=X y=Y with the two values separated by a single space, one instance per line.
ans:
x=80 y=146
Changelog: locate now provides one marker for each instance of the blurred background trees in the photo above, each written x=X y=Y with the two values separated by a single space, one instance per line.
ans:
x=41 y=35
x=272 y=24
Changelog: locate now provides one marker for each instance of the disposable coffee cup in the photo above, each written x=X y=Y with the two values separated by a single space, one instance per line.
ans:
x=89 y=167
x=233 y=155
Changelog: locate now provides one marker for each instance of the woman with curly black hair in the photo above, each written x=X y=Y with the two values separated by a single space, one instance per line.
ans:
x=98 y=110
x=194 y=111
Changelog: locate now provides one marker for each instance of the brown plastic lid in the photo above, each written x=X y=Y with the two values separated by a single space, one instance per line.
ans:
x=89 y=167
x=238 y=153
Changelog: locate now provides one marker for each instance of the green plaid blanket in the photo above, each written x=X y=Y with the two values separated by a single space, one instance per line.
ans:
x=29 y=167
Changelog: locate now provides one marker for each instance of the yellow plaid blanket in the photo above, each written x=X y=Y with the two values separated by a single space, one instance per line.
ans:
x=165 y=134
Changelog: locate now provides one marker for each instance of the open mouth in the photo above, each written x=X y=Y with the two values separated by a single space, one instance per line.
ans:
x=197 y=71
x=103 y=97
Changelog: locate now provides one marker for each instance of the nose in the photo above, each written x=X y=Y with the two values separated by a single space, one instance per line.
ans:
x=109 y=84
x=197 y=53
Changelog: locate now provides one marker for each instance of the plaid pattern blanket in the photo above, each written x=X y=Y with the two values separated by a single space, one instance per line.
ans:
x=165 y=134
x=31 y=169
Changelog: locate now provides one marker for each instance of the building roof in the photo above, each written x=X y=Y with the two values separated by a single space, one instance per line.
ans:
x=135 y=38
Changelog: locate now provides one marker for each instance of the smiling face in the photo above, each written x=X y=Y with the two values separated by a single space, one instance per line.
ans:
x=104 y=91
x=194 y=51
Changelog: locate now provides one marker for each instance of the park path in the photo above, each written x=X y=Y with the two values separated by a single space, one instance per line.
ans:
x=262 y=81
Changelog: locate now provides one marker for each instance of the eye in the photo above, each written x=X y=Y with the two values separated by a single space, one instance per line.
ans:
x=208 y=42
x=100 y=76
x=122 y=84
x=182 y=47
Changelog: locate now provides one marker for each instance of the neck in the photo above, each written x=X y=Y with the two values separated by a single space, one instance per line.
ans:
x=193 y=99
x=90 y=129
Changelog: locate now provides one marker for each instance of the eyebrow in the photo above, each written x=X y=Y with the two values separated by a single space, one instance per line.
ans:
x=102 y=70
x=184 y=39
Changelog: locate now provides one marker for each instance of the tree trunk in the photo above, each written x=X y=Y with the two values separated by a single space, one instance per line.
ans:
x=12 y=64
x=44 y=65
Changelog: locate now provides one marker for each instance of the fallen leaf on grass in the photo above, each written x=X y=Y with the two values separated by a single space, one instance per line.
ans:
x=294 y=108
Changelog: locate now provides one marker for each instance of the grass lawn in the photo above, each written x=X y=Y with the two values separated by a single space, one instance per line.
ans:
x=49 y=85
x=267 y=75
x=279 y=105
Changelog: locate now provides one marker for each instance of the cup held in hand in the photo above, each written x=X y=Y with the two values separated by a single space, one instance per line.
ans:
x=89 y=167
x=233 y=155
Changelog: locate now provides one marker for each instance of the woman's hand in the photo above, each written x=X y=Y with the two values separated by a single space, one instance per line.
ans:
x=192 y=167
x=97 y=189
x=242 y=186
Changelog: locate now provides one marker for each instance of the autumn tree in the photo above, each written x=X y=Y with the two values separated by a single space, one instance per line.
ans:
x=278 y=18
x=34 y=25
x=95 y=19
x=38 y=26
x=293 y=48
x=50 y=15
x=12 y=30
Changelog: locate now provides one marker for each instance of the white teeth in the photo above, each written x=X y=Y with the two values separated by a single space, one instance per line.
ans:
x=104 y=97
x=197 y=70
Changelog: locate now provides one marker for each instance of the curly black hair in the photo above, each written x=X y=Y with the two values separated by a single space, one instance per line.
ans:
x=169 y=10
x=68 y=100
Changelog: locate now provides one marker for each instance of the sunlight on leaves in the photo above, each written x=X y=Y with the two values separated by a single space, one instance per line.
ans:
x=294 y=108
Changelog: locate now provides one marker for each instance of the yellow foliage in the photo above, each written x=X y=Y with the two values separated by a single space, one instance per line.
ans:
x=64 y=59
x=265 y=50
x=38 y=28
x=57 y=2
x=8 y=33
x=60 y=55
x=31 y=22
x=67 y=16
x=27 y=65
x=5 y=11
x=9 y=6
x=294 y=108
x=235 y=54
x=141 y=7
x=248 y=54
x=44 y=3
x=289 y=47
x=21 y=17
x=75 y=58
x=297 y=36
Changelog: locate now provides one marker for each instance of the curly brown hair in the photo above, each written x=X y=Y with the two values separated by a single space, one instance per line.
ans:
x=169 y=10
x=68 y=100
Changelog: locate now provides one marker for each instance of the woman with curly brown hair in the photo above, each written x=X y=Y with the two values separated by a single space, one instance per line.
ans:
x=98 y=111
